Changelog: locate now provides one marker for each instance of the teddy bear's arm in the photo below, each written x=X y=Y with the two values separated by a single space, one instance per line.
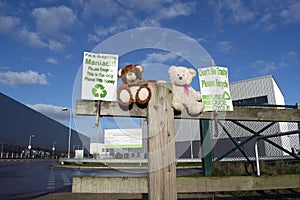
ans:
x=196 y=94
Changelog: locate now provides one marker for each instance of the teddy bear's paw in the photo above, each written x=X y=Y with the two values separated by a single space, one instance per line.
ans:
x=125 y=98
x=195 y=109
x=143 y=95
x=201 y=106
x=177 y=106
x=197 y=96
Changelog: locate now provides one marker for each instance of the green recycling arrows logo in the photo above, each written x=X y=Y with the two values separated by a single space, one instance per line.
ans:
x=99 y=90
x=226 y=96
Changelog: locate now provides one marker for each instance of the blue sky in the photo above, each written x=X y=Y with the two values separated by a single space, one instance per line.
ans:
x=42 y=42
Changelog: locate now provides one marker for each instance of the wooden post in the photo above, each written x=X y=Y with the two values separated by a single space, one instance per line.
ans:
x=161 y=144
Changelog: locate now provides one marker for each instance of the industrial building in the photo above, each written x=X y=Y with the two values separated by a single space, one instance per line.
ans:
x=19 y=123
x=22 y=127
x=256 y=91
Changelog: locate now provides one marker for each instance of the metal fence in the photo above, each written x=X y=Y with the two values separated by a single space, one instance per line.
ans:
x=235 y=144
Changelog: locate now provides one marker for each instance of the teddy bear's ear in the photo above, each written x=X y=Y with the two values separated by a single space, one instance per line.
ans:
x=172 y=69
x=192 y=72
x=120 y=73
x=140 y=67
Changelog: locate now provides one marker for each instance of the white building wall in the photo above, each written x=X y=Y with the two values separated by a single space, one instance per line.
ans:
x=261 y=86
x=186 y=130
x=290 y=141
x=279 y=98
x=189 y=130
x=98 y=150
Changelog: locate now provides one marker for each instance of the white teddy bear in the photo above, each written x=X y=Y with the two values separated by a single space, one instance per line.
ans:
x=183 y=94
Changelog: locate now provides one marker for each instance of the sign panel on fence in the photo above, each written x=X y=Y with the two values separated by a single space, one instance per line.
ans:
x=123 y=138
x=214 y=86
x=99 y=76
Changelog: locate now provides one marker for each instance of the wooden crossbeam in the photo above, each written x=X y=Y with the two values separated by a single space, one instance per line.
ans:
x=89 y=108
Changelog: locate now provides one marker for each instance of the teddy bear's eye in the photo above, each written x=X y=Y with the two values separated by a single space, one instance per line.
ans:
x=177 y=74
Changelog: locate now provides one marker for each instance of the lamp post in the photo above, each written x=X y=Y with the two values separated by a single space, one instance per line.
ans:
x=69 y=144
x=53 y=150
x=2 y=151
x=29 y=145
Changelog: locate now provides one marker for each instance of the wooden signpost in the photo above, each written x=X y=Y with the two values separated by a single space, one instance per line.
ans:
x=161 y=142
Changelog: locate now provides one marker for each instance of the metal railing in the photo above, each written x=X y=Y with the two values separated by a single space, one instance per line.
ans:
x=265 y=137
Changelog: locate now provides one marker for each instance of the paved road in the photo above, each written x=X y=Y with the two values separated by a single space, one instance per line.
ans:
x=23 y=179
x=20 y=178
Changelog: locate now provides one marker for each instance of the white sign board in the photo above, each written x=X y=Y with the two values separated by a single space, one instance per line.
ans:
x=78 y=154
x=99 y=76
x=214 y=87
x=123 y=138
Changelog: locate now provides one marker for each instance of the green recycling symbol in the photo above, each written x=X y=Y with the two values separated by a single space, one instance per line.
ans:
x=226 y=96
x=99 y=90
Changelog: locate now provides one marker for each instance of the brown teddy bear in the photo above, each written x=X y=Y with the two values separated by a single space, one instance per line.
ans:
x=133 y=88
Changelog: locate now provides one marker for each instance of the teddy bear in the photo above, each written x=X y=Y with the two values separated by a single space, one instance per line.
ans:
x=183 y=94
x=133 y=88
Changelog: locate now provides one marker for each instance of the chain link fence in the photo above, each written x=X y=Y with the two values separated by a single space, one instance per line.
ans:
x=234 y=151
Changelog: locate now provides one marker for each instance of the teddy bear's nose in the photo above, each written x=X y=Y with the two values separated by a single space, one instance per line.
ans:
x=180 y=77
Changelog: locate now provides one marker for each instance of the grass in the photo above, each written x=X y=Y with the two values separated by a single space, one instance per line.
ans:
x=219 y=168
x=287 y=194
x=81 y=164
x=279 y=167
x=99 y=164
x=245 y=168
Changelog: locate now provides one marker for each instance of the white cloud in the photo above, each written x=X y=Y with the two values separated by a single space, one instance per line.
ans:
x=266 y=22
x=52 y=60
x=31 y=38
x=145 y=5
x=264 y=67
x=67 y=57
x=240 y=13
x=263 y=15
x=225 y=47
x=177 y=9
x=291 y=12
x=288 y=59
x=101 y=8
x=94 y=38
x=285 y=61
x=103 y=31
x=8 y=23
x=54 y=112
x=55 y=45
x=236 y=11
x=168 y=12
x=54 y=20
x=50 y=22
x=23 y=78
x=135 y=13
x=159 y=58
